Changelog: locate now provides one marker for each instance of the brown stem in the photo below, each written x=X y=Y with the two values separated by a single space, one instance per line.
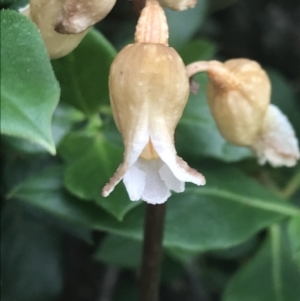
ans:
x=152 y=250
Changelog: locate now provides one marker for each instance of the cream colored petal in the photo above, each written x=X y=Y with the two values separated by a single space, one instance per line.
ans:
x=155 y=191
x=277 y=144
x=135 y=181
x=165 y=148
x=135 y=142
x=151 y=181
x=171 y=181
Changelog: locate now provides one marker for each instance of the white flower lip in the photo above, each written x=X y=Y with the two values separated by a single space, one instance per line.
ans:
x=152 y=180
x=277 y=142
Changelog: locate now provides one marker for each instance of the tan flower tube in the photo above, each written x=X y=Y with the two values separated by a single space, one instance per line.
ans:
x=149 y=88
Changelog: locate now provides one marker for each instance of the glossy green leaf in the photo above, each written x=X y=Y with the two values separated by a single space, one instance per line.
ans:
x=119 y=251
x=294 y=235
x=197 y=133
x=229 y=183
x=269 y=276
x=64 y=118
x=31 y=267
x=194 y=219
x=29 y=90
x=182 y=256
x=18 y=5
x=180 y=30
x=92 y=161
x=127 y=253
x=46 y=191
x=197 y=50
x=6 y=2
x=83 y=74
x=284 y=97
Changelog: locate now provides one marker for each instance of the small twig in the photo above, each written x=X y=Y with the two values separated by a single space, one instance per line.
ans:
x=152 y=250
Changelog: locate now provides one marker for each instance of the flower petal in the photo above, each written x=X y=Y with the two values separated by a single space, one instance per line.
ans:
x=142 y=181
x=277 y=144
x=135 y=181
x=170 y=180
x=135 y=142
x=164 y=145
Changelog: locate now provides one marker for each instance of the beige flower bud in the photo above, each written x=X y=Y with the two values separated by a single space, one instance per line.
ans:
x=149 y=88
x=178 y=4
x=78 y=15
x=238 y=94
x=45 y=13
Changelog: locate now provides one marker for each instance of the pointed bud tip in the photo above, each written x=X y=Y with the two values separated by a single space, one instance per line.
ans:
x=152 y=25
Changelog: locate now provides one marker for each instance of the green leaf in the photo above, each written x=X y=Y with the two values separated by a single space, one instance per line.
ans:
x=64 y=118
x=197 y=133
x=18 y=5
x=197 y=50
x=127 y=253
x=30 y=257
x=91 y=162
x=83 y=74
x=45 y=190
x=182 y=256
x=119 y=251
x=7 y=2
x=180 y=30
x=284 y=97
x=294 y=235
x=269 y=276
x=229 y=183
x=29 y=90
x=197 y=220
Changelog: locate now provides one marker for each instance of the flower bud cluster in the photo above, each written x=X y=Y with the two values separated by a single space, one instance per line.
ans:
x=149 y=88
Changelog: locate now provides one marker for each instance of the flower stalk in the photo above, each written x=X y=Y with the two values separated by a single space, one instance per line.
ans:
x=152 y=252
